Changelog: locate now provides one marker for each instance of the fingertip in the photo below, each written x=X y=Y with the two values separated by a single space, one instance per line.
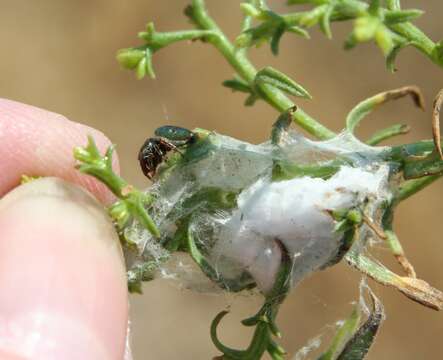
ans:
x=63 y=281
x=36 y=142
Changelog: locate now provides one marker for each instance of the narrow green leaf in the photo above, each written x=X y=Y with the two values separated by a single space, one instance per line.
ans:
x=358 y=346
x=298 y=30
x=250 y=100
x=313 y=17
x=398 y=16
x=149 y=68
x=237 y=85
x=411 y=187
x=431 y=165
x=250 y=10
x=325 y=21
x=392 y=56
x=343 y=335
x=350 y=42
x=271 y=76
x=148 y=34
x=359 y=112
x=140 y=70
x=275 y=39
x=437 y=53
x=387 y=133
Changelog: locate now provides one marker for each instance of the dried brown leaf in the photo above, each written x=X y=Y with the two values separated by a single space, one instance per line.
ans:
x=413 y=91
x=436 y=122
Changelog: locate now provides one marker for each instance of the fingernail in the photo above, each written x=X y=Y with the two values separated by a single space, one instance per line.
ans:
x=62 y=275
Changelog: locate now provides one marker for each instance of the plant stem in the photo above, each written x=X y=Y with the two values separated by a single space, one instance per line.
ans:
x=238 y=60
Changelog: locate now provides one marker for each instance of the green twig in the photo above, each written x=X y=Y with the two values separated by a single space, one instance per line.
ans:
x=244 y=68
x=389 y=27
x=132 y=203
x=140 y=58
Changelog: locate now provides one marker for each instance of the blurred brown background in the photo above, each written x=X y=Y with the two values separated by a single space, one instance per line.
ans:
x=59 y=55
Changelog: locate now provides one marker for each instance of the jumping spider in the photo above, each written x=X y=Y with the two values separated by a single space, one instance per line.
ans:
x=154 y=150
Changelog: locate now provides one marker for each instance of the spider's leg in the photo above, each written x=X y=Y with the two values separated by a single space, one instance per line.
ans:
x=172 y=147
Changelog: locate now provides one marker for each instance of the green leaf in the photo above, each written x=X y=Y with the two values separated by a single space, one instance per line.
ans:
x=398 y=16
x=364 y=108
x=387 y=133
x=140 y=70
x=275 y=39
x=325 y=22
x=430 y=165
x=271 y=29
x=237 y=85
x=437 y=52
x=343 y=335
x=250 y=10
x=350 y=42
x=298 y=30
x=277 y=79
x=392 y=55
x=358 y=346
x=313 y=17
x=149 y=68
x=251 y=99
x=129 y=58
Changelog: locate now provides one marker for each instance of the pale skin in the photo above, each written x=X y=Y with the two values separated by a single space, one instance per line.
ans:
x=62 y=276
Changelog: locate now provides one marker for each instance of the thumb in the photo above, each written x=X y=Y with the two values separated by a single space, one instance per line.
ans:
x=62 y=276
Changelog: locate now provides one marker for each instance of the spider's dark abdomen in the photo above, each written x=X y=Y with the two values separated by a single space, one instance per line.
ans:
x=152 y=153
x=155 y=149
